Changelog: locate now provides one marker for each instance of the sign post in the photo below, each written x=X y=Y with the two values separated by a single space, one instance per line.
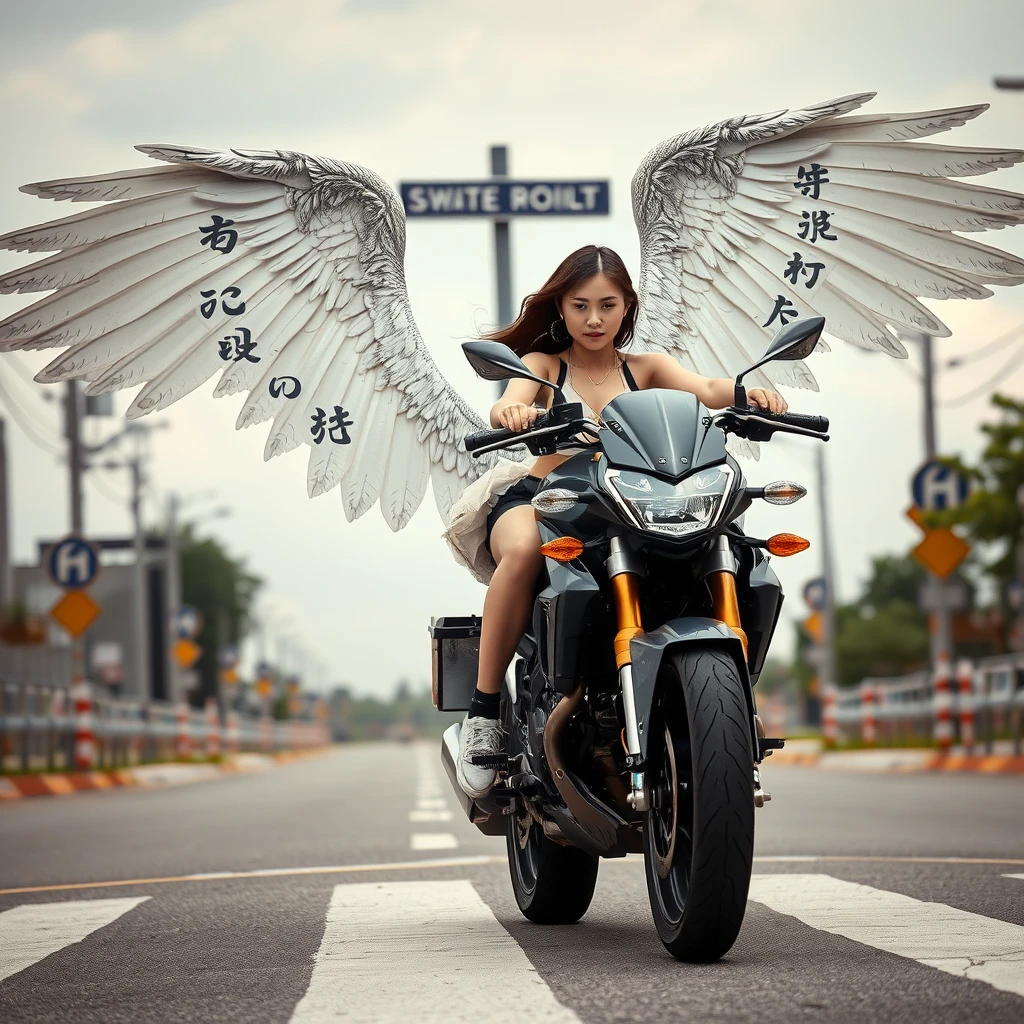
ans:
x=936 y=487
x=501 y=199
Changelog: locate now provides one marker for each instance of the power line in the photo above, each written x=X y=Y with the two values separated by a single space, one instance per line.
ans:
x=42 y=424
x=989 y=384
x=985 y=350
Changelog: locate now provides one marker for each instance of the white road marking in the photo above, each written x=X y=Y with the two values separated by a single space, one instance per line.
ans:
x=430 y=816
x=1021 y=877
x=434 y=841
x=955 y=941
x=422 y=951
x=423 y=804
x=34 y=931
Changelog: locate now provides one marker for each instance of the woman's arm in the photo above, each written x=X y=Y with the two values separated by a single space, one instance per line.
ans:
x=515 y=410
x=714 y=392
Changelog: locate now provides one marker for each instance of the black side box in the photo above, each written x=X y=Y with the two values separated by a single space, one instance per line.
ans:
x=455 y=652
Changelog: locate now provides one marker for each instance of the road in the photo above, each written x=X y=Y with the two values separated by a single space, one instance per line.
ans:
x=348 y=887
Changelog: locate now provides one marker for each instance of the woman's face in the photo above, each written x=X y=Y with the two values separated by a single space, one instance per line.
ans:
x=593 y=312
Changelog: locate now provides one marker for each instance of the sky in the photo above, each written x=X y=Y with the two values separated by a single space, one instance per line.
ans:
x=418 y=90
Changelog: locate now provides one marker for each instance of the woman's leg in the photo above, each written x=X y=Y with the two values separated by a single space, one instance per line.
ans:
x=515 y=544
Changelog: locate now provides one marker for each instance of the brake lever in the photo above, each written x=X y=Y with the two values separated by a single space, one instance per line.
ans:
x=519 y=439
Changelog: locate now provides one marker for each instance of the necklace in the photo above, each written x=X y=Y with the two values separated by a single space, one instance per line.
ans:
x=596 y=383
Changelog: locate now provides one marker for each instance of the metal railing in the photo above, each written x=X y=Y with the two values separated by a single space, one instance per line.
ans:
x=37 y=731
x=974 y=706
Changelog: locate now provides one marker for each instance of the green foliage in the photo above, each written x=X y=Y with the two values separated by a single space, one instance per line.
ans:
x=224 y=592
x=407 y=715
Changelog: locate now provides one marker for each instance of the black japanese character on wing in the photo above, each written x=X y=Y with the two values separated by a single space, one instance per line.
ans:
x=817 y=225
x=797 y=267
x=810 y=180
x=784 y=311
x=336 y=428
x=209 y=307
x=288 y=387
x=239 y=346
x=219 y=235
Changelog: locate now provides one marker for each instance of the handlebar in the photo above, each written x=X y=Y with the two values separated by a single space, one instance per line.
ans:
x=819 y=424
x=500 y=434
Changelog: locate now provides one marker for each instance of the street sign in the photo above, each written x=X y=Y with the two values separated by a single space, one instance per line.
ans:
x=814 y=627
x=814 y=656
x=942 y=595
x=505 y=198
x=941 y=552
x=188 y=622
x=936 y=487
x=228 y=656
x=75 y=611
x=187 y=653
x=107 y=659
x=816 y=594
x=73 y=563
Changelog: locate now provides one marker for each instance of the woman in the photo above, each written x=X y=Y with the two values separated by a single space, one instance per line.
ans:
x=571 y=333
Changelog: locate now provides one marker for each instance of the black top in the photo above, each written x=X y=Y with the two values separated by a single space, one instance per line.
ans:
x=626 y=373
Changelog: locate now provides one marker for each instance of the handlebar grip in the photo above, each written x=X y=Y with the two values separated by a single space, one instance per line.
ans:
x=818 y=424
x=486 y=437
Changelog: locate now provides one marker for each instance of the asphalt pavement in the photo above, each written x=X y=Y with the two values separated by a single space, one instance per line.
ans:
x=349 y=887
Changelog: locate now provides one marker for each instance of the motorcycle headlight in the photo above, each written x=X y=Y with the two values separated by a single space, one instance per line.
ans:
x=677 y=510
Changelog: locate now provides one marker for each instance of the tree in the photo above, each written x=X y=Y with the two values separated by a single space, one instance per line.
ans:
x=993 y=513
x=224 y=592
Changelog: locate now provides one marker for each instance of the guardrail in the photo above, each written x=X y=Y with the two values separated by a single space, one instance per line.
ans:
x=38 y=726
x=973 y=706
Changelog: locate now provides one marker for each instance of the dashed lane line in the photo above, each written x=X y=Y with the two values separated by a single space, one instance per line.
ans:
x=481 y=860
x=422 y=816
x=441 y=950
x=32 y=932
x=433 y=841
x=952 y=940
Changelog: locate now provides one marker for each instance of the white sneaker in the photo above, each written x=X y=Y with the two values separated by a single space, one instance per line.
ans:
x=478 y=736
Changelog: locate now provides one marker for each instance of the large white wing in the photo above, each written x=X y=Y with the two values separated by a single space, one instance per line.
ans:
x=279 y=271
x=753 y=222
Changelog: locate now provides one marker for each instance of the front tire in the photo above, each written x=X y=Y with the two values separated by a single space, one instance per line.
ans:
x=553 y=884
x=699 y=826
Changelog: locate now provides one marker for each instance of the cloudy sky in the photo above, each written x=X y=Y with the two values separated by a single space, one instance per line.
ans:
x=419 y=90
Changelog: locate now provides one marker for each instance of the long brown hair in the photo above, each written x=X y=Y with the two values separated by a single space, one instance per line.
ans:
x=530 y=332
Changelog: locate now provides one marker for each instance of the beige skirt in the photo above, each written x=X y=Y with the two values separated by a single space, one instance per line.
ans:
x=467 y=522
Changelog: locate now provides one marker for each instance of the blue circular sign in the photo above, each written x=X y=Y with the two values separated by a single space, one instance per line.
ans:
x=73 y=563
x=936 y=487
x=188 y=622
x=816 y=594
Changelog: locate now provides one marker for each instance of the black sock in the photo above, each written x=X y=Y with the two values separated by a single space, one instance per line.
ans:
x=484 y=705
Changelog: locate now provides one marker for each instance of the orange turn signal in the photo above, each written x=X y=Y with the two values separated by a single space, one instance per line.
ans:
x=563 y=549
x=783 y=544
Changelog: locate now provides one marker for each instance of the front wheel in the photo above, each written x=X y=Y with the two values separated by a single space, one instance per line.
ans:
x=699 y=825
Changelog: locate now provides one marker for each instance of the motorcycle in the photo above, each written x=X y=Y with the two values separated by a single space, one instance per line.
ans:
x=629 y=706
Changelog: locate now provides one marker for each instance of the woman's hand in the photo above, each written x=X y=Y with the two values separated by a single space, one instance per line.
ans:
x=518 y=417
x=767 y=400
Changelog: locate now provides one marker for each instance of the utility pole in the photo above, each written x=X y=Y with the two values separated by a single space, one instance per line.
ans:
x=502 y=244
x=172 y=579
x=6 y=588
x=73 y=430
x=827 y=669
x=140 y=644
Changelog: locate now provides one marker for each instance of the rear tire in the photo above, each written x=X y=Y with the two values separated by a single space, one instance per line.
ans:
x=553 y=884
x=699 y=826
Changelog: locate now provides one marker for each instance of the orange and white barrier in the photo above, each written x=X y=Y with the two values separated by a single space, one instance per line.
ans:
x=829 y=726
x=85 y=742
x=965 y=684
x=942 y=704
x=183 y=733
x=212 y=729
x=231 y=732
x=868 y=724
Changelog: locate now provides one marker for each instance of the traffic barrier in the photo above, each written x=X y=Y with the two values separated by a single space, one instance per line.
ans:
x=829 y=726
x=183 y=737
x=85 y=741
x=942 y=702
x=965 y=686
x=212 y=729
x=231 y=732
x=868 y=725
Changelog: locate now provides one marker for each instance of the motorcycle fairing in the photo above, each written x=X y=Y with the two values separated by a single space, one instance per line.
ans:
x=648 y=652
x=760 y=605
x=660 y=431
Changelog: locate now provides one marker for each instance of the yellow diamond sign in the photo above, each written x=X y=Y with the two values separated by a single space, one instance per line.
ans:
x=814 y=627
x=75 y=611
x=186 y=653
x=941 y=552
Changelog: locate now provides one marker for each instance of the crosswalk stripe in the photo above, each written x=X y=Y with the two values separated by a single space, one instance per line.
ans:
x=433 y=841
x=422 y=951
x=421 y=816
x=33 y=931
x=955 y=941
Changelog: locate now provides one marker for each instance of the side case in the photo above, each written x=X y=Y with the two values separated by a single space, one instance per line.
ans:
x=455 y=653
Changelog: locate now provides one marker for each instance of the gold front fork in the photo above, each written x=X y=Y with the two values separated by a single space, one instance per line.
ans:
x=626 y=590
x=726 y=604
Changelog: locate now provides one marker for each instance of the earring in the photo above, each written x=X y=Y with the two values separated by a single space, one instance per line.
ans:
x=559 y=333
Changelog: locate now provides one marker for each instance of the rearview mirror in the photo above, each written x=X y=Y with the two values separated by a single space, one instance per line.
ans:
x=794 y=341
x=494 y=361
